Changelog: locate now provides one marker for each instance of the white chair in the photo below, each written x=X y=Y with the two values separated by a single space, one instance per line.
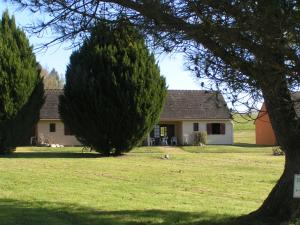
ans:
x=186 y=137
x=173 y=140
x=33 y=140
x=41 y=139
x=164 y=141
x=152 y=141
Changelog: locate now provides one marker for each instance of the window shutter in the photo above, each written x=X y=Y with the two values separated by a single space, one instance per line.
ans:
x=222 y=128
x=209 y=128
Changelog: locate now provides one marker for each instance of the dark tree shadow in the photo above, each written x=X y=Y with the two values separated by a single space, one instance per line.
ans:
x=240 y=144
x=45 y=154
x=14 y=212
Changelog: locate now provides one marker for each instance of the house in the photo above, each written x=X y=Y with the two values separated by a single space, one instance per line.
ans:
x=189 y=111
x=50 y=129
x=264 y=133
x=185 y=112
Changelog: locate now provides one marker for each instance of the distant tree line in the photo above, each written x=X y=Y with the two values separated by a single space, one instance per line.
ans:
x=52 y=79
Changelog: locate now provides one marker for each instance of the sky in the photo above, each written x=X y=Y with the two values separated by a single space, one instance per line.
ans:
x=171 y=66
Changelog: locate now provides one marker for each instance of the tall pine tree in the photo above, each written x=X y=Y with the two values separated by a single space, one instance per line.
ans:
x=114 y=92
x=21 y=88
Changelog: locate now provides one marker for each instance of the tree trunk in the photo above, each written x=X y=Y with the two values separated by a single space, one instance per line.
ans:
x=280 y=204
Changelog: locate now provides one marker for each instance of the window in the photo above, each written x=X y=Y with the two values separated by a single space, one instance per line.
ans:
x=215 y=128
x=156 y=131
x=68 y=131
x=163 y=131
x=52 y=127
x=196 y=126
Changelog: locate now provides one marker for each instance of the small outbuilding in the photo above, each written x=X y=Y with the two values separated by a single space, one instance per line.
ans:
x=264 y=133
x=263 y=128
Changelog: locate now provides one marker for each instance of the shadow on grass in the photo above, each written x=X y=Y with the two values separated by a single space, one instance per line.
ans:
x=240 y=144
x=14 y=212
x=55 y=154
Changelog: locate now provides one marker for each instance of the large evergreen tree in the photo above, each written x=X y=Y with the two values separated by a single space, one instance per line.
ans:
x=114 y=92
x=21 y=88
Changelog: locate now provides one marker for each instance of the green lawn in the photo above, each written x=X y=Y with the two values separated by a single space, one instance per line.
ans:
x=244 y=148
x=63 y=186
x=244 y=129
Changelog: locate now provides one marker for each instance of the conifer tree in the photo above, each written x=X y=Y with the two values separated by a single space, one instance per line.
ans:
x=114 y=92
x=21 y=88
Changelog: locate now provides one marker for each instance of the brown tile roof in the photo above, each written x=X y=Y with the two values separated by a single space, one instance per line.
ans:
x=50 y=107
x=180 y=105
x=194 y=104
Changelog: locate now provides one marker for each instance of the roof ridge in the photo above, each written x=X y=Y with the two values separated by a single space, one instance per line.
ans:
x=186 y=90
x=180 y=104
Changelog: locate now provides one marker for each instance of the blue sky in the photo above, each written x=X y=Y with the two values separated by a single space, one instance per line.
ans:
x=171 y=66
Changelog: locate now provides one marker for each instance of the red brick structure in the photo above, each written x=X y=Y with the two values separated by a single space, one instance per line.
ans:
x=263 y=129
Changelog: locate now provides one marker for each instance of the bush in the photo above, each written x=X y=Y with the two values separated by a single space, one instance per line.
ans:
x=200 y=138
x=114 y=92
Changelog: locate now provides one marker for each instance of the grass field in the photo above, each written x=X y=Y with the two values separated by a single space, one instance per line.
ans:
x=63 y=186
x=244 y=129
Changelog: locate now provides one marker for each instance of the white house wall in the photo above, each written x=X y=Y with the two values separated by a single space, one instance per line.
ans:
x=215 y=139
x=57 y=137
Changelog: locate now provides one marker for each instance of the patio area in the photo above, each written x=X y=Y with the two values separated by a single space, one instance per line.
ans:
x=165 y=133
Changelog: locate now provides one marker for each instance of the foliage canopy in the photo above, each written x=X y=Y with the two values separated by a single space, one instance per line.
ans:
x=114 y=92
x=51 y=80
x=21 y=88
